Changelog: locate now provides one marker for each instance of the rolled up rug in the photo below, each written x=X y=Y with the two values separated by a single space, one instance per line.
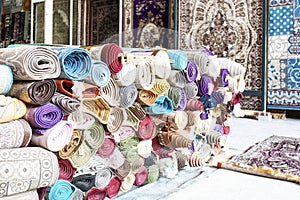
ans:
x=116 y=159
x=103 y=177
x=107 y=148
x=36 y=93
x=162 y=105
x=178 y=59
x=44 y=116
x=183 y=100
x=31 y=62
x=61 y=190
x=77 y=195
x=181 y=159
x=162 y=64
x=113 y=187
x=96 y=194
x=76 y=63
x=144 y=148
x=161 y=86
x=6 y=79
x=69 y=150
x=20 y=166
x=115 y=120
x=191 y=71
x=15 y=134
x=55 y=138
x=205 y=85
x=177 y=79
x=112 y=55
x=66 y=170
x=145 y=74
x=11 y=109
x=147 y=129
x=168 y=167
x=84 y=182
x=125 y=132
x=127 y=75
x=99 y=107
x=127 y=182
x=141 y=176
x=191 y=90
x=175 y=95
x=153 y=173
x=194 y=105
x=123 y=170
x=233 y=67
x=81 y=119
x=128 y=95
x=77 y=89
x=111 y=93
x=130 y=119
x=29 y=195
x=137 y=110
x=99 y=74
x=67 y=104
x=146 y=97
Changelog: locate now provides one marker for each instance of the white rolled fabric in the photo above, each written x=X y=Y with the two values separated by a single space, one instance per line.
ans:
x=162 y=64
x=127 y=74
x=233 y=67
x=145 y=76
x=191 y=90
x=177 y=79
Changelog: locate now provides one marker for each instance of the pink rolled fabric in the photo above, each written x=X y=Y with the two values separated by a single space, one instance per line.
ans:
x=112 y=54
x=126 y=132
x=107 y=148
x=66 y=170
x=96 y=194
x=194 y=105
x=113 y=187
x=141 y=176
x=147 y=129
x=55 y=138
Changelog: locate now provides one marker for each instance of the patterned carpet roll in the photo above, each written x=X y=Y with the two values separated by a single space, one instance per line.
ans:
x=178 y=59
x=77 y=89
x=31 y=62
x=55 y=138
x=75 y=62
x=96 y=194
x=99 y=74
x=43 y=117
x=11 y=109
x=62 y=190
x=128 y=95
x=67 y=104
x=191 y=90
x=162 y=105
x=191 y=71
x=127 y=75
x=146 y=97
x=145 y=75
x=6 y=79
x=113 y=187
x=31 y=168
x=84 y=182
x=30 y=195
x=115 y=120
x=161 y=86
x=107 y=148
x=162 y=64
x=15 y=134
x=141 y=176
x=99 y=107
x=36 y=93
x=177 y=79
x=111 y=93
x=147 y=129
x=103 y=177
x=66 y=170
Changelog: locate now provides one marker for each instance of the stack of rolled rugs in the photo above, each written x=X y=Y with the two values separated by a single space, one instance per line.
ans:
x=93 y=122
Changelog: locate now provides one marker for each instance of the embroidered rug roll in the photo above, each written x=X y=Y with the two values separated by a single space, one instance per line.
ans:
x=145 y=75
x=111 y=93
x=115 y=120
x=178 y=59
x=43 y=117
x=177 y=79
x=162 y=64
x=191 y=71
x=61 y=190
x=162 y=105
x=6 y=79
x=66 y=170
x=36 y=93
x=96 y=194
x=128 y=95
x=67 y=104
x=15 y=134
x=77 y=89
x=147 y=129
x=11 y=109
x=191 y=90
x=146 y=97
x=99 y=107
x=31 y=168
x=127 y=75
x=31 y=62
x=55 y=138
x=99 y=74
x=75 y=62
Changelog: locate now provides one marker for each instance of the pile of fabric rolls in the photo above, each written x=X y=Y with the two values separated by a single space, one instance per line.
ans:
x=91 y=122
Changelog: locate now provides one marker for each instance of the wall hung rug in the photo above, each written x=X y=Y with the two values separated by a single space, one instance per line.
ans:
x=276 y=157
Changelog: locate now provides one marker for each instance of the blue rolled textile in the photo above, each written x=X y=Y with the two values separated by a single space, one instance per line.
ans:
x=61 y=190
x=99 y=75
x=128 y=95
x=6 y=79
x=162 y=105
x=179 y=59
x=76 y=63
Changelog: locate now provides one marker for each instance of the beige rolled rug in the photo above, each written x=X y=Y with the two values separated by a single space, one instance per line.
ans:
x=145 y=76
x=11 y=109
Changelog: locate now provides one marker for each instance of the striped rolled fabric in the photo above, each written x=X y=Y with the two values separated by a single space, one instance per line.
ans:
x=161 y=86
x=11 y=109
x=111 y=93
x=15 y=134
x=137 y=110
x=67 y=104
x=191 y=71
x=99 y=107
x=99 y=75
x=62 y=190
x=31 y=62
x=6 y=79
x=35 y=92
x=178 y=59
x=76 y=63
x=127 y=75
x=21 y=167
x=128 y=95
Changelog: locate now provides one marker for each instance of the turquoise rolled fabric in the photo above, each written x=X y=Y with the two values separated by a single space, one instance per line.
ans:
x=162 y=105
x=61 y=190
x=75 y=62
x=6 y=79
x=179 y=59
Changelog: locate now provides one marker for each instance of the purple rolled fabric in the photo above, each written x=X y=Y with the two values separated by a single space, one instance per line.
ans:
x=208 y=52
x=219 y=128
x=183 y=100
x=43 y=117
x=217 y=96
x=203 y=85
x=224 y=74
x=204 y=115
x=191 y=71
